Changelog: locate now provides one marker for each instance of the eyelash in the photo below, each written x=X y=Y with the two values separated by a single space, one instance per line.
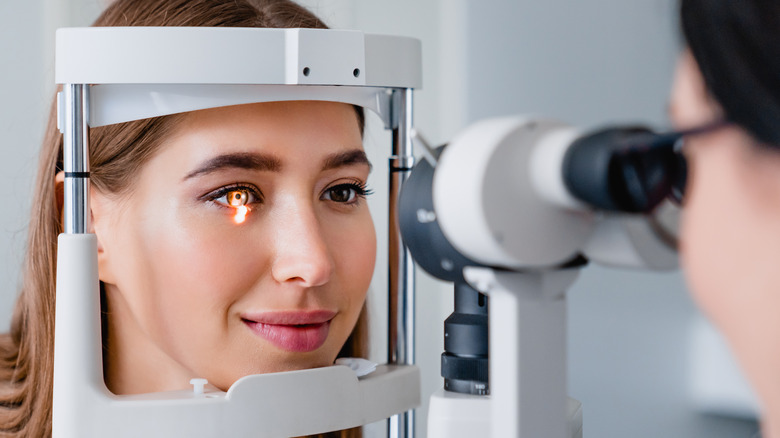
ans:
x=361 y=191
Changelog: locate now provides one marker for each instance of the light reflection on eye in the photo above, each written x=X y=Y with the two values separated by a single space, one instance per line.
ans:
x=241 y=212
x=238 y=199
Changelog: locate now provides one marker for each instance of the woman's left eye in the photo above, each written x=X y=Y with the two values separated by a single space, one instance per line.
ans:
x=348 y=193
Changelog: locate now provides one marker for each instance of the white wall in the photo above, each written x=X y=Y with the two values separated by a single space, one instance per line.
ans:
x=23 y=100
x=26 y=89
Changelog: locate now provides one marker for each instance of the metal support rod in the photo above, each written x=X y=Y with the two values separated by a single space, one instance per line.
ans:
x=401 y=264
x=75 y=157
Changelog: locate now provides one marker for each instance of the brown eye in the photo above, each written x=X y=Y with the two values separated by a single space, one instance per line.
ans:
x=349 y=193
x=237 y=198
x=341 y=193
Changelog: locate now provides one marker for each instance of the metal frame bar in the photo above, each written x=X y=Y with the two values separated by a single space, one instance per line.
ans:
x=75 y=155
x=401 y=287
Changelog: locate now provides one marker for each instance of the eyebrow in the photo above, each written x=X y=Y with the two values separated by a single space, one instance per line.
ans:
x=268 y=163
x=348 y=158
x=239 y=160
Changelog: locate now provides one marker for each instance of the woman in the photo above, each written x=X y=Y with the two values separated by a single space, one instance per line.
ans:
x=231 y=241
x=731 y=224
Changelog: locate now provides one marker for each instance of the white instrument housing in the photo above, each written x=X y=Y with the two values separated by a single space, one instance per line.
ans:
x=486 y=202
x=500 y=199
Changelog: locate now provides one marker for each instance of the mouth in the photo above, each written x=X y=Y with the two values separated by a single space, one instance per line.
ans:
x=293 y=331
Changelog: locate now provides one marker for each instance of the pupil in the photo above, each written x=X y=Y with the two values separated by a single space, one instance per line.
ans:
x=238 y=199
x=340 y=195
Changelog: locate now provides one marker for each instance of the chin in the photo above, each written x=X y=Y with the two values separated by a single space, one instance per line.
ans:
x=294 y=362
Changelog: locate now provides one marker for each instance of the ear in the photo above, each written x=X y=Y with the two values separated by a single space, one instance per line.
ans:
x=95 y=201
x=102 y=225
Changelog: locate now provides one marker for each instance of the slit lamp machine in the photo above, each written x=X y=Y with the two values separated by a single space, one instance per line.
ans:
x=509 y=211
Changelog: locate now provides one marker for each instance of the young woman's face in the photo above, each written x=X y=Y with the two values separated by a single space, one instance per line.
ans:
x=730 y=233
x=245 y=246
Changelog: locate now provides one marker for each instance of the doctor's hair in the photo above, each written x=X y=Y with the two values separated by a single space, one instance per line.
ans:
x=737 y=47
x=117 y=153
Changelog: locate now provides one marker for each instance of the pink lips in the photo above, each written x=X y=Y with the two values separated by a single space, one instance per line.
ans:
x=295 y=331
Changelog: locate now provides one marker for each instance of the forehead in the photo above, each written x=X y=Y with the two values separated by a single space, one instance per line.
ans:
x=690 y=102
x=307 y=128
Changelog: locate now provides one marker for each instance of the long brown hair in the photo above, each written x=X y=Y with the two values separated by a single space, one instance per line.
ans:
x=117 y=152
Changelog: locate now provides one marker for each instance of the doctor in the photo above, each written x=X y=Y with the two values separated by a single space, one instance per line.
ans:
x=730 y=244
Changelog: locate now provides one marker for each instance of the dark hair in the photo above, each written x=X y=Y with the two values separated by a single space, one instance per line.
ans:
x=737 y=47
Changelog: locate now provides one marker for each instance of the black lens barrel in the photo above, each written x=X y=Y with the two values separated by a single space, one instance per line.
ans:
x=626 y=169
x=464 y=363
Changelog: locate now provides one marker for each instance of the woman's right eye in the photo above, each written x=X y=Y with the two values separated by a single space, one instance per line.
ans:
x=235 y=196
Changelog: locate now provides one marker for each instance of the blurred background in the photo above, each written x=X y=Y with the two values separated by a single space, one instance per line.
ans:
x=642 y=360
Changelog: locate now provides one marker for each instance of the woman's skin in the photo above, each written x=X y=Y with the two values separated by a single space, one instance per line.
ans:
x=245 y=212
x=731 y=236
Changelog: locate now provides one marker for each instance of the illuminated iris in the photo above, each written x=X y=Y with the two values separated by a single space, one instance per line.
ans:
x=238 y=199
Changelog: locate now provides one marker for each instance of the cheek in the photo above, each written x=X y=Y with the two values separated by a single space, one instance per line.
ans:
x=710 y=249
x=700 y=247
x=216 y=252
x=354 y=251
x=729 y=233
x=353 y=248
x=200 y=265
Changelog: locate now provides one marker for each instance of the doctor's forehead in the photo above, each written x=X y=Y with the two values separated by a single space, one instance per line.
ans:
x=690 y=102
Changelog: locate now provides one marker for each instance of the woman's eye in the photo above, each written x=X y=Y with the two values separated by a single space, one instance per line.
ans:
x=346 y=193
x=239 y=199
x=235 y=197
x=341 y=194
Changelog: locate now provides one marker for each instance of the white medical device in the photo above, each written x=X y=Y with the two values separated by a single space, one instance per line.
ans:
x=512 y=208
x=114 y=75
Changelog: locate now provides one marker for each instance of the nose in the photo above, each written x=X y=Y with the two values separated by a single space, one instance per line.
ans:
x=301 y=253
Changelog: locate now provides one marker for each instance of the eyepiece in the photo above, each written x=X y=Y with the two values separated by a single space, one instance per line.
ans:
x=630 y=170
